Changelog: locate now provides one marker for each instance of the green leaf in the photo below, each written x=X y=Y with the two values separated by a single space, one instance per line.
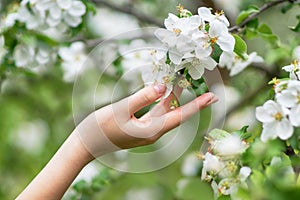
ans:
x=224 y=197
x=240 y=47
x=216 y=53
x=265 y=29
x=297 y=27
x=244 y=14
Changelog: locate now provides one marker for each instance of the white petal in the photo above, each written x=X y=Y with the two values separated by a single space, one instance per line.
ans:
x=268 y=132
x=226 y=60
x=72 y=21
x=170 y=21
x=175 y=57
x=262 y=115
x=55 y=12
x=77 y=9
x=205 y=13
x=244 y=173
x=202 y=52
x=284 y=129
x=295 y=116
x=64 y=4
x=226 y=42
x=286 y=99
x=208 y=63
x=52 y=22
x=217 y=28
x=196 y=72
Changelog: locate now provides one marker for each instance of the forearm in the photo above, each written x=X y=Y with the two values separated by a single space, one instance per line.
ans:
x=53 y=181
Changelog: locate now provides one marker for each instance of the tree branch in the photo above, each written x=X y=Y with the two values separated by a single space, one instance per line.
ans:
x=131 y=11
x=265 y=7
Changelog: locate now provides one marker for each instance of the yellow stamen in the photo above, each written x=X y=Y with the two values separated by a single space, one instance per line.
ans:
x=177 y=31
x=180 y=8
x=214 y=40
x=278 y=116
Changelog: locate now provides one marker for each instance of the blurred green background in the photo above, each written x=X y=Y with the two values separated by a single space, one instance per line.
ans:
x=36 y=112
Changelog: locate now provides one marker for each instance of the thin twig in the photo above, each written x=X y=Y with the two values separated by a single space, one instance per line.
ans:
x=131 y=11
x=265 y=7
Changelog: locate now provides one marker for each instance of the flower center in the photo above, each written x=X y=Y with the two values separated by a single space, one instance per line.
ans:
x=295 y=63
x=213 y=40
x=177 y=31
x=278 y=116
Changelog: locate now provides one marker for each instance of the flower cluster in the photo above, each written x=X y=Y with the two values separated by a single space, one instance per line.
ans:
x=44 y=14
x=191 y=40
x=221 y=163
x=32 y=57
x=281 y=115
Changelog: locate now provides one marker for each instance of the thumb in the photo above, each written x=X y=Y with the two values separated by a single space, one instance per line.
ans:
x=145 y=97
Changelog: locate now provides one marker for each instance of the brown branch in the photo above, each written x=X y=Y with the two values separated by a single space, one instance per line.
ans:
x=131 y=11
x=265 y=7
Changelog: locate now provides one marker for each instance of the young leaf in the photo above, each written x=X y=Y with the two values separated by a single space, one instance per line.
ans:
x=240 y=47
x=244 y=14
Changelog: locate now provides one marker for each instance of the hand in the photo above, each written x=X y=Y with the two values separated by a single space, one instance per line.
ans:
x=108 y=129
x=115 y=127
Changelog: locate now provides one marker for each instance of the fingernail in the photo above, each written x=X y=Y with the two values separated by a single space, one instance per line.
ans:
x=213 y=98
x=160 y=88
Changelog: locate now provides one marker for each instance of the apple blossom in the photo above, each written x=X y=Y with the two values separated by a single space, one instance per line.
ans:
x=230 y=145
x=290 y=98
x=236 y=64
x=293 y=69
x=275 y=121
x=73 y=60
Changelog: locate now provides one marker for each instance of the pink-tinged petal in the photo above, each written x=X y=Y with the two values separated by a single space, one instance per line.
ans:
x=77 y=9
x=226 y=42
x=295 y=116
x=268 y=132
x=196 y=72
x=284 y=129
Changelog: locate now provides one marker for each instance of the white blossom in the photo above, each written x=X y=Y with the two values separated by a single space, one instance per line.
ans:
x=211 y=163
x=73 y=59
x=196 y=66
x=230 y=145
x=275 y=122
x=31 y=136
x=236 y=64
x=159 y=72
x=290 y=98
x=293 y=69
x=191 y=165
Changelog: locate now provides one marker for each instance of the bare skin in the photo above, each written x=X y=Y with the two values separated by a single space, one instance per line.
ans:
x=108 y=129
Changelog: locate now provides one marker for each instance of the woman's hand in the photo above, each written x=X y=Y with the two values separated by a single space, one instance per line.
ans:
x=108 y=129
x=115 y=127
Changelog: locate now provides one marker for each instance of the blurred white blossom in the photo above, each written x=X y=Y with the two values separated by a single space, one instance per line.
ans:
x=275 y=121
x=34 y=58
x=191 y=165
x=74 y=57
x=293 y=69
x=230 y=145
x=31 y=136
x=236 y=64
x=290 y=98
